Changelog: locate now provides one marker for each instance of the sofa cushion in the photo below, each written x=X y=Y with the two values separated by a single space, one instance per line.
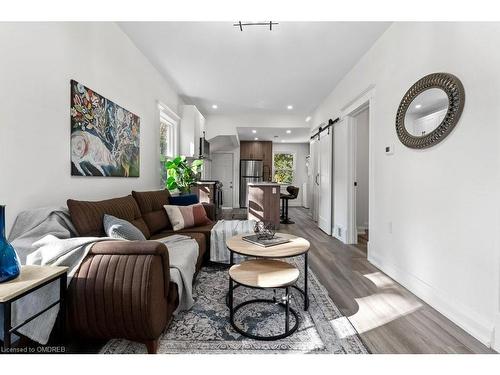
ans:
x=151 y=206
x=87 y=217
x=205 y=230
x=187 y=216
x=200 y=239
x=121 y=229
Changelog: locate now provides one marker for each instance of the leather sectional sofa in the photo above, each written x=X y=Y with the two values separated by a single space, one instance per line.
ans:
x=123 y=288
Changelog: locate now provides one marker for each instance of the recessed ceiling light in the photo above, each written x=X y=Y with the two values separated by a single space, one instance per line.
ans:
x=288 y=131
x=254 y=131
x=418 y=106
x=289 y=107
x=308 y=118
x=215 y=106
x=256 y=139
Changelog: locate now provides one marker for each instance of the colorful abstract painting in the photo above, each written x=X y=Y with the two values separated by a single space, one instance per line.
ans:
x=104 y=136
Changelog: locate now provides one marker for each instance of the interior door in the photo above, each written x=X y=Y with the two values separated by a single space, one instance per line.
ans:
x=222 y=170
x=315 y=179
x=325 y=181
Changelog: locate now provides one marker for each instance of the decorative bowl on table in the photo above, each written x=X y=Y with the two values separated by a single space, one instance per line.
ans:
x=264 y=230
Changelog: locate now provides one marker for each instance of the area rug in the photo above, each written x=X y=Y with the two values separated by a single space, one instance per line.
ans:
x=205 y=329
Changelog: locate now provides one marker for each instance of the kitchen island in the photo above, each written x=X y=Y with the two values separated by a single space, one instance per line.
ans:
x=264 y=202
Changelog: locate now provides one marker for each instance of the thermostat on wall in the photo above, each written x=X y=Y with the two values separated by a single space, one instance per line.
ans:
x=389 y=150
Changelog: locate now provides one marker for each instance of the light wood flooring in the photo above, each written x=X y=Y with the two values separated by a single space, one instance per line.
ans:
x=388 y=317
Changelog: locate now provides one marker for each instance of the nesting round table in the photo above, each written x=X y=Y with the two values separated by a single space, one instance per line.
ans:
x=267 y=272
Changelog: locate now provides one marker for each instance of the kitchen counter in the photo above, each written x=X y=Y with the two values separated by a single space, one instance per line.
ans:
x=263 y=184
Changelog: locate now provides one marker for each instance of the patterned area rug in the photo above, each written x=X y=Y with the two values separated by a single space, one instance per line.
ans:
x=205 y=329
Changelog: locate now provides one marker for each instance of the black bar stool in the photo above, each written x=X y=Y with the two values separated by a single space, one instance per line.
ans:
x=293 y=192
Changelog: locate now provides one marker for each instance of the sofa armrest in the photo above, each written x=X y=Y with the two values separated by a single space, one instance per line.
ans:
x=210 y=210
x=122 y=289
x=135 y=248
x=129 y=248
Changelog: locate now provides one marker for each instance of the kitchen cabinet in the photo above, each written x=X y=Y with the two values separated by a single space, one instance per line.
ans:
x=259 y=150
x=191 y=129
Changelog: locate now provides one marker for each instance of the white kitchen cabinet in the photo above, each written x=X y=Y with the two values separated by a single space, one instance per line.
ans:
x=191 y=129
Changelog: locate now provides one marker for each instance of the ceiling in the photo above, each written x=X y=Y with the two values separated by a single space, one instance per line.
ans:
x=254 y=70
x=296 y=135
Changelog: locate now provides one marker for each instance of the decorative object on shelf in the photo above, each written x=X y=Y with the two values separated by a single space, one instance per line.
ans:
x=429 y=110
x=181 y=174
x=104 y=136
x=10 y=266
x=264 y=230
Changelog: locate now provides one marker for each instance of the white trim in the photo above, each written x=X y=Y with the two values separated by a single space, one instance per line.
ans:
x=168 y=111
x=169 y=116
x=461 y=315
x=355 y=104
x=358 y=104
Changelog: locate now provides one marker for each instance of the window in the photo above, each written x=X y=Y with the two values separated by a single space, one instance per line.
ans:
x=284 y=167
x=168 y=132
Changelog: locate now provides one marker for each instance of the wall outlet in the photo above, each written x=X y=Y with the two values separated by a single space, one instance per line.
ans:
x=274 y=190
x=389 y=227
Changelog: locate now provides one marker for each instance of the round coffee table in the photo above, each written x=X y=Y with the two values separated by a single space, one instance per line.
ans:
x=264 y=274
x=297 y=246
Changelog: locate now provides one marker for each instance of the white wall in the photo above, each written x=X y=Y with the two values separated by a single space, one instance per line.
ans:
x=434 y=213
x=38 y=61
x=301 y=150
x=362 y=133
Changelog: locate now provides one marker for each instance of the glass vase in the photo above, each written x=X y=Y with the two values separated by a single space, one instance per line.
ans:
x=9 y=261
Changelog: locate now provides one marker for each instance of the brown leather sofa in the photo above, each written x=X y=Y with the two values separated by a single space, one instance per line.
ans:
x=123 y=289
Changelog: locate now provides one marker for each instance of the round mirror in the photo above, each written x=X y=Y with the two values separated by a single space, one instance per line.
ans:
x=426 y=112
x=429 y=110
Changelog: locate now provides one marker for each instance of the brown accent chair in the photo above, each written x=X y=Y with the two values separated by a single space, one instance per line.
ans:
x=123 y=289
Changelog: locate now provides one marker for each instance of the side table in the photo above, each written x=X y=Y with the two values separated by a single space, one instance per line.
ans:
x=31 y=279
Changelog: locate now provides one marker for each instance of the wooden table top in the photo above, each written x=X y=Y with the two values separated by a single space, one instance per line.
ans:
x=30 y=277
x=264 y=273
x=295 y=247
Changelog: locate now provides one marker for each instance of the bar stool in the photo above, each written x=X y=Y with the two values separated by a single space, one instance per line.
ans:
x=293 y=193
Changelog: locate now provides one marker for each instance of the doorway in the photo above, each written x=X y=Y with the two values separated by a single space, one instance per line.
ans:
x=361 y=135
x=222 y=170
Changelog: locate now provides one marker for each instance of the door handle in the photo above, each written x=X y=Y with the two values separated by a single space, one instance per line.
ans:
x=316 y=179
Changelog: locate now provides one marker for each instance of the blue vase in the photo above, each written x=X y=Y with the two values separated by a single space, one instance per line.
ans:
x=9 y=261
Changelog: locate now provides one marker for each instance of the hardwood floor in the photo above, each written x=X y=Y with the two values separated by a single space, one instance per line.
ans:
x=388 y=317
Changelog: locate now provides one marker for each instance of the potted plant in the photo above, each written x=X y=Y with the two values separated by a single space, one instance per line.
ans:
x=181 y=174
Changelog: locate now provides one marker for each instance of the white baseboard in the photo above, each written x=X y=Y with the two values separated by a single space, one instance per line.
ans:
x=461 y=315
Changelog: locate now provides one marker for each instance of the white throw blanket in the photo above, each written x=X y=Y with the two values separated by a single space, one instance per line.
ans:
x=223 y=230
x=183 y=254
x=44 y=237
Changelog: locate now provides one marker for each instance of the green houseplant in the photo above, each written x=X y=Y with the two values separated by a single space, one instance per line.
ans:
x=181 y=174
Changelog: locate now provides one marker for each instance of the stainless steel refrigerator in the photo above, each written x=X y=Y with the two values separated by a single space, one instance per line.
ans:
x=250 y=171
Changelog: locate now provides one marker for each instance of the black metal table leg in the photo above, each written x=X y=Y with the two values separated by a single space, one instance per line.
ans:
x=287 y=311
x=306 y=295
x=6 y=324
x=63 y=282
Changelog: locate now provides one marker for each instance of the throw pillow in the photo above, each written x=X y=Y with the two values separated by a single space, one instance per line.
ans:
x=187 y=216
x=122 y=229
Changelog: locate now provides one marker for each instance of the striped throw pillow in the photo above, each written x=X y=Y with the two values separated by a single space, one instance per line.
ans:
x=187 y=216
